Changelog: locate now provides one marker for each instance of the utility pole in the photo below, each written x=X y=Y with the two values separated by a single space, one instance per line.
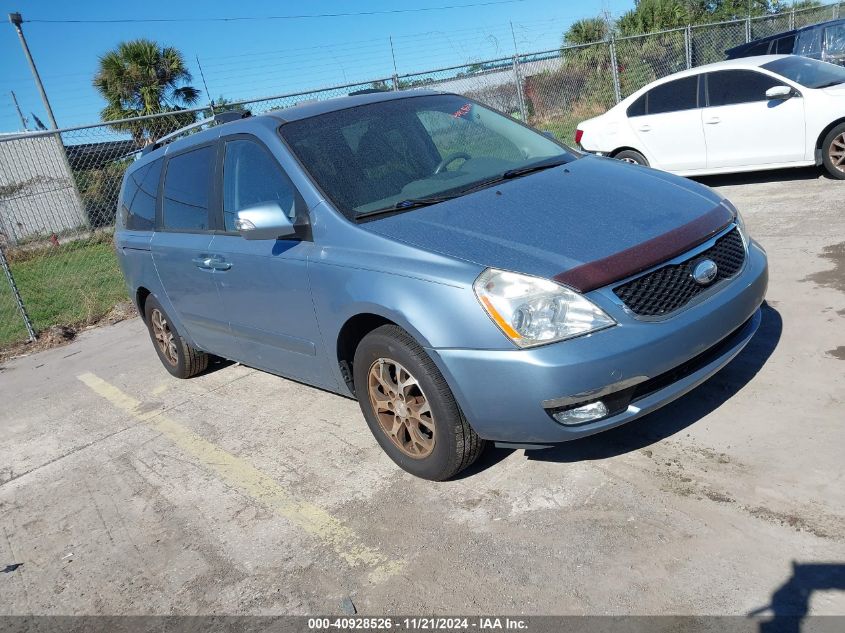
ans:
x=17 y=20
x=18 y=108
x=395 y=72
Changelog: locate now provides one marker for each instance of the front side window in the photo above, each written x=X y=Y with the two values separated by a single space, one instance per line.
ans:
x=732 y=87
x=187 y=185
x=834 y=42
x=373 y=157
x=252 y=176
x=681 y=94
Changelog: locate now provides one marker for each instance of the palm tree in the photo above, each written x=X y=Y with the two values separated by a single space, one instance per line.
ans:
x=140 y=77
x=586 y=31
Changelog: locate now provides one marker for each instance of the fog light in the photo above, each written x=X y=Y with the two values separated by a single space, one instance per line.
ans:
x=581 y=414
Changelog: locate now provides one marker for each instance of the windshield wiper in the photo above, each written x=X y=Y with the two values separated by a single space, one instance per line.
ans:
x=528 y=169
x=404 y=205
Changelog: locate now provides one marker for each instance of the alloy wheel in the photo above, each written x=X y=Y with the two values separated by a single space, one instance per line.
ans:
x=402 y=409
x=164 y=337
x=837 y=152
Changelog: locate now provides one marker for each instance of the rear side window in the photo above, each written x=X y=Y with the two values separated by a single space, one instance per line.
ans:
x=138 y=199
x=785 y=45
x=252 y=176
x=760 y=48
x=731 y=87
x=681 y=94
x=187 y=185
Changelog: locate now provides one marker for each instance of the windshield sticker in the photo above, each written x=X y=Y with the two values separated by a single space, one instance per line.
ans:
x=464 y=110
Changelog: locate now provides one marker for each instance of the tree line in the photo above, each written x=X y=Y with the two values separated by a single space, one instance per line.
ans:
x=649 y=16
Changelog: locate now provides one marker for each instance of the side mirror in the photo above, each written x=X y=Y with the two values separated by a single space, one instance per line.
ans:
x=779 y=92
x=265 y=221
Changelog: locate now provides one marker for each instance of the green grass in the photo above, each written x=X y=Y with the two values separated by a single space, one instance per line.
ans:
x=72 y=284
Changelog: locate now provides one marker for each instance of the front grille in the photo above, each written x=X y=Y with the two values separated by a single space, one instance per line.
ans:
x=671 y=287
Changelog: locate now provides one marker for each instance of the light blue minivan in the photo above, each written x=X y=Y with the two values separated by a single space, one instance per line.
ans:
x=465 y=277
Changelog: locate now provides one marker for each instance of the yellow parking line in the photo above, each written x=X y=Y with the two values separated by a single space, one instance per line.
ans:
x=256 y=484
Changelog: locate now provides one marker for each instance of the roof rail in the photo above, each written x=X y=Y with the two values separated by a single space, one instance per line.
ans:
x=217 y=119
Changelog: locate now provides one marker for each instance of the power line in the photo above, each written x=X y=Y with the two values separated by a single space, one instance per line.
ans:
x=280 y=17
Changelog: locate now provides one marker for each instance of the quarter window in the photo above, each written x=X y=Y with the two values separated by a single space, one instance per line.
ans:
x=252 y=176
x=186 y=190
x=731 y=87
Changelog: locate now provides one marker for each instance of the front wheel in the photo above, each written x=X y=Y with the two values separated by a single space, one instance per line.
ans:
x=833 y=152
x=409 y=407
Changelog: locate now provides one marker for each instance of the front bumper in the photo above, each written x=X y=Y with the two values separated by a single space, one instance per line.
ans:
x=507 y=395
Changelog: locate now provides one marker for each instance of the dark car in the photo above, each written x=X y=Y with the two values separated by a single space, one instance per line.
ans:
x=824 y=41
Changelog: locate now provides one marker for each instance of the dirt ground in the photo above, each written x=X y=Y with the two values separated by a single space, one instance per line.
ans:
x=126 y=491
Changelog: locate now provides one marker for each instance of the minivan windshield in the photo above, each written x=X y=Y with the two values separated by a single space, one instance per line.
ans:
x=810 y=73
x=404 y=153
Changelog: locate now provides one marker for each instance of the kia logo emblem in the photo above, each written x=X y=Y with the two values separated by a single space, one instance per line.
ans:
x=704 y=272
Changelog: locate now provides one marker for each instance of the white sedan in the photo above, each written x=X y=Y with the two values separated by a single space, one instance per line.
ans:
x=740 y=115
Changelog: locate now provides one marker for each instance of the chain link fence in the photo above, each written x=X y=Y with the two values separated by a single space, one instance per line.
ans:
x=59 y=190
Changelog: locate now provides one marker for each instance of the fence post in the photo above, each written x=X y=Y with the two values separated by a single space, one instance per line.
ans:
x=617 y=88
x=523 y=111
x=748 y=29
x=4 y=264
x=792 y=19
x=688 y=44
x=395 y=82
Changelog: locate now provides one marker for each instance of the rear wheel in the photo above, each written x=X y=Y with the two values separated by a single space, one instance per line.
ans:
x=833 y=152
x=631 y=156
x=177 y=356
x=409 y=407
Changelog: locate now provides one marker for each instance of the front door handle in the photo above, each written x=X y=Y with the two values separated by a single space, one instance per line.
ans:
x=713 y=120
x=219 y=264
x=645 y=128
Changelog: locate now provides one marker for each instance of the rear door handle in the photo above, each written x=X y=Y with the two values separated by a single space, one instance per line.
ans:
x=644 y=128
x=203 y=262
x=713 y=120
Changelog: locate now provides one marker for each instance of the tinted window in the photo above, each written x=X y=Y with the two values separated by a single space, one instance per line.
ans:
x=251 y=176
x=681 y=94
x=186 y=190
x=730 y=87
x=759 y=48
x=138 y=198
x=785 y=45
x=807 y=72
x=638 y=107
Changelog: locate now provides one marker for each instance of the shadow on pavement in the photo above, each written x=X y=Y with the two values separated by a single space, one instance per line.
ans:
x=664 y=422
x=758 y=177
x=791 y=601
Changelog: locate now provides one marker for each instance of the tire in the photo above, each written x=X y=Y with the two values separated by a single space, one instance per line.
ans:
x=437 y=440
x=179 y=358
x=833 y=152
x=631 y=156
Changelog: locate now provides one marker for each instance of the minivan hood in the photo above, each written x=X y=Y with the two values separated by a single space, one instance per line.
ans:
x=558 y=220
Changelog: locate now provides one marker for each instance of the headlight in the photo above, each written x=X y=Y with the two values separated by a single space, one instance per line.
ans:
x=533 y=311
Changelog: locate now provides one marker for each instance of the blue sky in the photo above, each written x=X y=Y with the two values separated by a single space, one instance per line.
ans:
x=245 y=59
